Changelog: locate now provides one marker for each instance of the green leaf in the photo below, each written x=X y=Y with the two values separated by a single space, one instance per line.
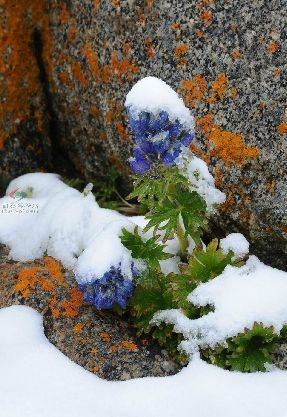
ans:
x=149 y=250
x=152 y=293
x=154 y=187
x=207 y=264
x=248 y=351
x=189 y=205
x=167 y=214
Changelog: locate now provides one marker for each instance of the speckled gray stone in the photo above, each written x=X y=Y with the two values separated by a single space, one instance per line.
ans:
x=99 y=341
x=227 y=60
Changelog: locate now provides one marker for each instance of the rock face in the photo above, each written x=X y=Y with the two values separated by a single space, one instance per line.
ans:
x=226 y=59
x=24 y=137
x=100 y=342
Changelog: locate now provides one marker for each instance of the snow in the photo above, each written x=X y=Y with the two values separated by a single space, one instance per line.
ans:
x=241 y=296
x=200 y=179
x=38 y=380
x=67 y=225
x=153 y=95
x=237 y=243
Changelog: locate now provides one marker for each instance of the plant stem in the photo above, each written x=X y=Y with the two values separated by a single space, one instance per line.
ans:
x=183 y=242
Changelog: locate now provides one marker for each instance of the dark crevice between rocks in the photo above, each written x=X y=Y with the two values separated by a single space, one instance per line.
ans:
x=259 y=248
x=60 y=163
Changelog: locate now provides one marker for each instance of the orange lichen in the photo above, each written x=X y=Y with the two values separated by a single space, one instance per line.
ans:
x=273 y=47
x=220 y=85
x=93 y=61
x=78 y=74
x=284 y=228
x=102 y=136
x=105 y=337
x=233 y=28
x=127 y=49
x=271 y=186
x=228 y=146
x=109 y=117
x=199 y=34
x=282 y=128
x=207 y=16
x=181 y=49
x=62 y=57
x=129 y=345
x=149 y=3
x=72 y=31
x=141 y=21
x=71 y=307
x=116 y=3
x=193 y=90
x=122 y=68
x=117 y=163
x=94 y=351
x=64 y=77
x=78 y=328
x=22 y=90
x=175 y=26
x=118 y=68
x=96 y=4
x=113 y=349
x=36 y=276
x=236 y=54
x=276 y=71
x=26 y=281
x=95 y=111
x=233 y=93
x=122 y=131
x=182 y=63
x=150 y=52
x=64 y=15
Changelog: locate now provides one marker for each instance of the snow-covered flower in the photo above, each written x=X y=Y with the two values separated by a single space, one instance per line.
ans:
x=111 y=289
x=160 y=123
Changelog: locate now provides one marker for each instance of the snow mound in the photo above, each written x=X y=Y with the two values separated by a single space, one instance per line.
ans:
x=153 y=95
x=36 y=379
x=237 y=243
x=240 y=296
x=65 y=224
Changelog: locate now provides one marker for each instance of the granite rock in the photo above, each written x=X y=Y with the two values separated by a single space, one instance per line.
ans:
x=99 y=341
x=226 y=59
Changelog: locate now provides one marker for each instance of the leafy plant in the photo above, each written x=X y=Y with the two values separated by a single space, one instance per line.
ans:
x=247 y=352
x=175 y=211
x=169 y=257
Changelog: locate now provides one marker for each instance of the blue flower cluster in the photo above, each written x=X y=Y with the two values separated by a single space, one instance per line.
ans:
x=109 y=290
x=156 y=138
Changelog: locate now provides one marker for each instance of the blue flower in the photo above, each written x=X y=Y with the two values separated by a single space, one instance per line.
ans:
x=109 y=290
x=156 y=138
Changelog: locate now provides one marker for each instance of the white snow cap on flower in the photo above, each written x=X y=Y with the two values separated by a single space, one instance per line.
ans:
x=237 y=243
x=153 y=95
